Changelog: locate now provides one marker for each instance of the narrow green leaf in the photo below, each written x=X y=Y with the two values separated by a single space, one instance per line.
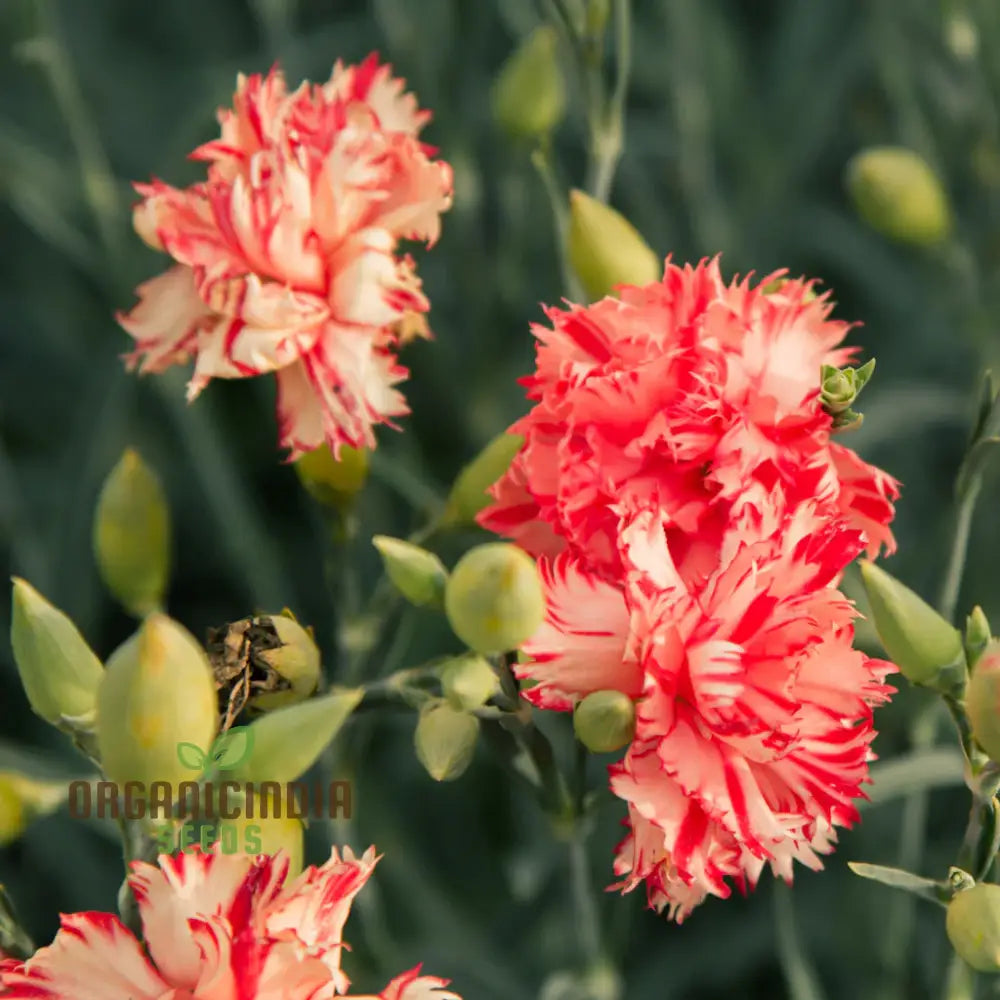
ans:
x=288 y=741
x=896 y=878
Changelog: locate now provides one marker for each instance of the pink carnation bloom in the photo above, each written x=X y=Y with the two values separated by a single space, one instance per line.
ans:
x=692 y=520
x=287 y=256
x=217 y=927
x=700 y=393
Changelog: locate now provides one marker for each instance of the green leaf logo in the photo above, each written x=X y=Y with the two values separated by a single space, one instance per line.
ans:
x=192 y=756
x=232 y=748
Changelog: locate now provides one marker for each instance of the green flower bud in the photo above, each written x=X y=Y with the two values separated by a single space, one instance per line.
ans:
x=925 y=647
x=468 y=495
x=982 y=700
x=59 y=671
x=331 y=481
x=605 y=721
x=840 y=389
x=157 y=693
x=132 y=535
x=606 y=250
x=973 y=925
x=417 y=574
x=977 y=636
x=288 y=741
x=23 y=799
x=494 y=598
x=296 y=662
x=445 y=740
x=529 y=96
x=469 y=682
x=898 y=195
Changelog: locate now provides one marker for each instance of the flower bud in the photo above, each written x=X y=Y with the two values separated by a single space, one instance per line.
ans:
x=529 y=96
x=973 y=925
x=157 y=693
x=898 y=195
x=977 y=636
x=605 y=721
x=469 y=682
x=132 y=535
x=925 y=647
x=416 y=573
x=59 y=671
x=468 y=495
x=23 y=800
x=840 y=388
x=494 y=599
x=288 y=741
x=606 y=250
x=445 y=740
x=295 y=662
x=982 y=700
x=333 y=482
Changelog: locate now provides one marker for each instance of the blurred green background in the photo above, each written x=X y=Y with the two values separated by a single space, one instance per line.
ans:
x=741 y=118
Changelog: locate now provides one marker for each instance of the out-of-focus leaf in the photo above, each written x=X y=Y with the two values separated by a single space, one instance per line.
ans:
x=925 y=888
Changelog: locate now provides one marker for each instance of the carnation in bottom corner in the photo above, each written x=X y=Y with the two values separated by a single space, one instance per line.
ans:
x=216 y=926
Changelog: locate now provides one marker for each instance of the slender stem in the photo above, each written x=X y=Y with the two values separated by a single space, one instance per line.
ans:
x=800 y=977
x=608 y=138
x=948 y=599
x=588 y=926
x=542 y=161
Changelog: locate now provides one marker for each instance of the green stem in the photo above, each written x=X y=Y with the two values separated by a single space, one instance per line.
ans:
x=542 y=161
x=608 y=123
x=800 y=977
x=966 y=503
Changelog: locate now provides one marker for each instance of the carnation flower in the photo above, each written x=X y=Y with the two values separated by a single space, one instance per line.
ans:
x=287 y=256
x=217 y=927
x=703 y=394
x=692 y=520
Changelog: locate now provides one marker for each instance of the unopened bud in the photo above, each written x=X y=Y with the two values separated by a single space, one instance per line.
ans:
x=469 y=682
x=494 y=599
x=529 y=96
x=468 y=495
x=416 y=573
x=157 y=694
x=977 y=636
x=132 y=535
x=973 y=925
x=294 y=659
x=840 y=388
x=982 y=700
x=606 y=250
x=23 y=799
x=59 y=671
x=287 y=742
x=605 y=721
x=897 y=194
x=445 y=740
x=926 y=648
x=333 y=482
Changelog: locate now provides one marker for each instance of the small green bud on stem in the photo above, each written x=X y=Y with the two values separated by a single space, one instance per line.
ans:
x=927 y=649
x=494 y=599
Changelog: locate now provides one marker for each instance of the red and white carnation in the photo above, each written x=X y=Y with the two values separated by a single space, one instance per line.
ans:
x=287 y=256
x=692 y=520
x=217 y=927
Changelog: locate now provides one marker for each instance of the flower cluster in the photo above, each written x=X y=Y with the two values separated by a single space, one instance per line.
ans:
x=287 y=256
x=692 y=519
x=215 y=926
